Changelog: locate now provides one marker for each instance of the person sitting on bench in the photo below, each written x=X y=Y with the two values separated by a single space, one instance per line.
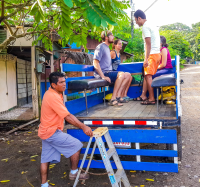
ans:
x=103 y=69
x=115 y=56
x=54 y=141
x=165 y=66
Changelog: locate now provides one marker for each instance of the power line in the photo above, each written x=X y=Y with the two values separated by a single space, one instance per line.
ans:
x=151 y=5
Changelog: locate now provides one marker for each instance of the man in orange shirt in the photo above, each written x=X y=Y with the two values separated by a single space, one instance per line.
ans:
x=54 y=141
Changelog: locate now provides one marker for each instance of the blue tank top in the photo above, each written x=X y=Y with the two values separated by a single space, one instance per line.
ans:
x=116 y=62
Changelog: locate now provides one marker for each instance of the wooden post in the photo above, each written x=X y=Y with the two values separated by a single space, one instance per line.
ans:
x=34 y=84
x=52 y=65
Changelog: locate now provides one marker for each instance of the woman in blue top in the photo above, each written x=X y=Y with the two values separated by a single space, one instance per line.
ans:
x=115 y=56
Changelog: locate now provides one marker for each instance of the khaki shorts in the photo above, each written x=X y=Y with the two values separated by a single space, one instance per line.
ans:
x=59 y=143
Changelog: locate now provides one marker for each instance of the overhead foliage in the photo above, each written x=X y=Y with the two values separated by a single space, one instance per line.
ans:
x=194 y=39
x=177 y=44
x=71 y=19
x=187 y=35
x=176 y=26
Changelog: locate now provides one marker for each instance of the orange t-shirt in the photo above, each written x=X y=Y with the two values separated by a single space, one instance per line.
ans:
x=53 y=112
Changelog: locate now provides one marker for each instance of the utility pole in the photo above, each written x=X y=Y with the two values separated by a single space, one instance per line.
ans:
x=132 y=17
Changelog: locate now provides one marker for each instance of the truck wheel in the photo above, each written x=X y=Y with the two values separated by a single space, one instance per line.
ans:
x=179 y=144
x=179 y=147
x=170 y=147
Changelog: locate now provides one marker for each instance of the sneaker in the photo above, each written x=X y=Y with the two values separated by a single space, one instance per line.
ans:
x=82 y=176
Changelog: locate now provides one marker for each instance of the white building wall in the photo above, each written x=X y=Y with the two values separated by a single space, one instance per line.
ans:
x=8 y=89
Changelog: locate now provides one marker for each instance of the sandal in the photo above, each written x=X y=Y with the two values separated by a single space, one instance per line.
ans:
x=111 y=103
x=139 y=99
x=147 y=102
x=122 y=101
x=128 y=98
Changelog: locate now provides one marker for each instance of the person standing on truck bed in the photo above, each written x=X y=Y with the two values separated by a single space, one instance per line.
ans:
x=152 y=58
x=103 y=69
x=165 y=66
x=54 y=141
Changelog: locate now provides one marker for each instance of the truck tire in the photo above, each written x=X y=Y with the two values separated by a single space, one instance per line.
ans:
x=170 y=147
x=179 y=147
x=179 y=144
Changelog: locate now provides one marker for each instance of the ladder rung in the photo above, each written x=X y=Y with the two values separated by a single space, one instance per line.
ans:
x=111 y=152
x=100 y=131
x=119 y=174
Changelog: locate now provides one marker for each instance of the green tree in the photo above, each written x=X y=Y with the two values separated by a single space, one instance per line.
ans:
x=71 y=19
x=194 y=40
x=176 y=26
x=178 y=45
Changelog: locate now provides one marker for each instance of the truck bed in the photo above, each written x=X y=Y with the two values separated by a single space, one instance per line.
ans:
x=130 y=110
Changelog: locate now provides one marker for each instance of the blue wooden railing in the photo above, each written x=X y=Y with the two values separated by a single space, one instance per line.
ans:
x=136 y=136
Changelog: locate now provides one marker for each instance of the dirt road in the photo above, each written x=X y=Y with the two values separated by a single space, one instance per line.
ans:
x=21 y=153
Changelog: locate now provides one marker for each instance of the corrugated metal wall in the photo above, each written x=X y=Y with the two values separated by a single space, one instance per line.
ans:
x=24 y=82
x=3 y=36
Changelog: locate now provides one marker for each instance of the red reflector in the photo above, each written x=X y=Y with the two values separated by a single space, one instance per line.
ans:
x=140 y=122
x=118 y=122
x=97 y=123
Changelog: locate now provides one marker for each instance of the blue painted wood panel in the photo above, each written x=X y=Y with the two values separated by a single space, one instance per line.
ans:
x=126 y=67
x=142 y=152
x=79 y=105
x=77 y=67
x=132 y=135
x=128 y=165
x=78 y=78
x=42 y=88
x=131 y=67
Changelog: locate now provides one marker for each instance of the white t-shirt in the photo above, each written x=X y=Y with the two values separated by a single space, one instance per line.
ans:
x=152 y=32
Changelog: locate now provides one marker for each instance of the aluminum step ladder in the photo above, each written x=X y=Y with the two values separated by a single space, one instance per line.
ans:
x=115 y=178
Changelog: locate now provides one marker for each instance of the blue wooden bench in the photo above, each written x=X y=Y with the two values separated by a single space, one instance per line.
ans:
x=137 y=136
x=167 y=79
x=83 y=83
x=75 y=84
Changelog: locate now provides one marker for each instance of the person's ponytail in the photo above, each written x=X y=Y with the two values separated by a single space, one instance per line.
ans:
x=163 y=41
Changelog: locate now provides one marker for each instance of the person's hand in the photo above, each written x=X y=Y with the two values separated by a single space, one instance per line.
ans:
x=145 y=64
x=107 y=79
x=88 y=131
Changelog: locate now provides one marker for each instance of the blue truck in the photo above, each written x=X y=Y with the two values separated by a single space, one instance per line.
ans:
x=133 y=125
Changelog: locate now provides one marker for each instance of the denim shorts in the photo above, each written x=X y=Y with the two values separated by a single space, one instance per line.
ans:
x=112 y=75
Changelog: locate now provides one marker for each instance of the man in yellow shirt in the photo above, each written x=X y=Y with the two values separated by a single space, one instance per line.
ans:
x=54 y=141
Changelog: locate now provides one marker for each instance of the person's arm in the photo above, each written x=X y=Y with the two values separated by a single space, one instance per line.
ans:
x=164 y=58
x=113 y=55
x=74 y=121
x=99 y=71
x=147 y=51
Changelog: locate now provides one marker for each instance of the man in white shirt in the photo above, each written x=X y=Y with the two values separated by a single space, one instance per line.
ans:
x=152 y=58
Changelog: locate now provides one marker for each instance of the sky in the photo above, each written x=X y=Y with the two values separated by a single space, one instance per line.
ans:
x=165 y=12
